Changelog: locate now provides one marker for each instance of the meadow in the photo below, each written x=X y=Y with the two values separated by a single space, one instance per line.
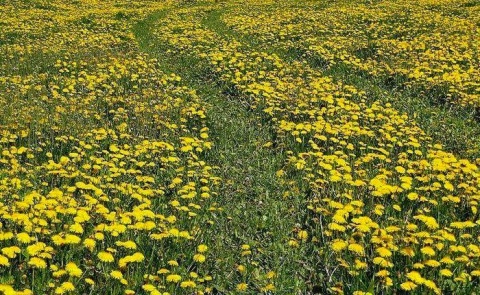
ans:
x=239 y=147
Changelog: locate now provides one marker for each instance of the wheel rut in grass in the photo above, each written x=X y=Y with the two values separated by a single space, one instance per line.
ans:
x=454 y=126
x=254 y=211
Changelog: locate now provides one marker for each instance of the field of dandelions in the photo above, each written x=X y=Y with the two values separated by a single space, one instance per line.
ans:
x=239 y=147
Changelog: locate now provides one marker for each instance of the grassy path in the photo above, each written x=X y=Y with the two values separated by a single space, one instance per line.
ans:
x=255 y=212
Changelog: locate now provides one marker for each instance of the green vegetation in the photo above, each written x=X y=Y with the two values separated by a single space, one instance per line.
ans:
x=239 y=147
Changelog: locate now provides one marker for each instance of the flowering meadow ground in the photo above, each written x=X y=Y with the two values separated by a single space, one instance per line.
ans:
x=239 y=147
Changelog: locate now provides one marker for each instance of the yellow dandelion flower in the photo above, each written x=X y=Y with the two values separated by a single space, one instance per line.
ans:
x=59 y=273
x=72 y=239
x=89 y=244
x=415 y=277
x=356 y=248
x=242 y=287
x=418 y=265
x=4 y=261
x=408 y=286
x=199 y=258
x=163 y=271
x=202 y=248
x=412 y=196
x=76 y=228
x=339 y=245
x=149 y=287
x=475 y=273
x=37 y=262
x=269 y=287
x=127 y=244
x=448 y=236
x=336 y=227
x=302 y=235
x=137 y=257
x=116 y=274
x=379 y=209
x=431 y=285
x=24 y=238
x=388 y=282
x=446 y=273
x=360 y=264
x=383 y=252
x=462 y=225
x=454 y=248
x=382 y=273
x=246 y=253
x=241 y=268
x=174 y=278
x=122 y=262
x=65 y=287
x=432 y=263
x=463 y=277
x=270 y=275
x=429 y=221
x=73 y=270
x=382 y=262
x=448 y=186
x=429 y=251
x=6 y=236
x=105 y=257
x=407 y=251
x=293 y=243
x=188 y=284
x=411 y=227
